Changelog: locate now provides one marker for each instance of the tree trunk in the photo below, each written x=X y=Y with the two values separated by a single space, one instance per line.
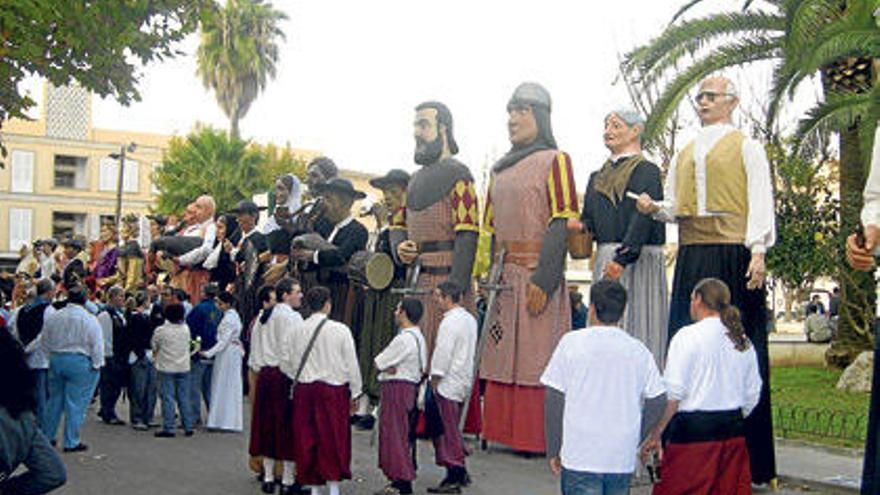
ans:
x=233 y=127
x=858 y=289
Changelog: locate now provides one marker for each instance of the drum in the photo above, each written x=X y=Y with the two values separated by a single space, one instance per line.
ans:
x=375 y=270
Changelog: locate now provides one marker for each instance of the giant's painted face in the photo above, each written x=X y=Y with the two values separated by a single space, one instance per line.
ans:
x=429 y=142
x=282 y=193
x=714 y=103
x=108 y=234
x=393 y=197
x=522 y=127
x=618 y=134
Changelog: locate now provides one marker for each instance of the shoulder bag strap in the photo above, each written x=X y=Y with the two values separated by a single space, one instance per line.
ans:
x=302 y=363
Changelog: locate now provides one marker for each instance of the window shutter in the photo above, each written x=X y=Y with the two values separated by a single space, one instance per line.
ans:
x=109 y=174
x=131 y=174
x=22 y=172
x=20 y=225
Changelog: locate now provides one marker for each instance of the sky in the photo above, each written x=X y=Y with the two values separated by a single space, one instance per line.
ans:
x=351 y=72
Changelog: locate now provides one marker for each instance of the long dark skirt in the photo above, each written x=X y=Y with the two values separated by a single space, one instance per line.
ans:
x=729 y=263
x=396 y=438
x=271 y=429
x=323 y=434
x=449 y=450
x=871 y=467
x=377 y=331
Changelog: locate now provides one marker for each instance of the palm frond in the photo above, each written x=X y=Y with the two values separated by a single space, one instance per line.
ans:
x=842 y=111
x=692 y=3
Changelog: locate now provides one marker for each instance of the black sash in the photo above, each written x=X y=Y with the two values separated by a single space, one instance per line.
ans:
x=705 y=426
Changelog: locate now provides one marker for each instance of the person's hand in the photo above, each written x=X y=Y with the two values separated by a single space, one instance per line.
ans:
x=536 y=299
x=353 y=407
x=612 y=271
x=646 y=205
x=391 y=371
x=227 y=245
x=574 y=225
x=555 y=465
x=649 y=446
x=756 y=272
x=407 y=251
x=861 y=257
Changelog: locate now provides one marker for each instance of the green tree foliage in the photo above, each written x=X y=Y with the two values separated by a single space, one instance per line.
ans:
x=99 y=46
x=208 y=161
x=238 y=53
x=807 y=224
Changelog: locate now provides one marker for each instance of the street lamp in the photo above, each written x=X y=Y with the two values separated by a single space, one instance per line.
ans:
x=121 y=157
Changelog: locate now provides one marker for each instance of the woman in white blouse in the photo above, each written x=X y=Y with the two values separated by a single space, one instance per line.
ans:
x=226 y=386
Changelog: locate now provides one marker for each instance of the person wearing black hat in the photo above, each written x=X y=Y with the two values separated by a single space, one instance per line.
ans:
x=314 y=218
x=247 y=255
x=74 y=271
x=347 y=237
x=377 y=327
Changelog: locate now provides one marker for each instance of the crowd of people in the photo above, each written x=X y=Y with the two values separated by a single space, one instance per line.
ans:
x=326 y=325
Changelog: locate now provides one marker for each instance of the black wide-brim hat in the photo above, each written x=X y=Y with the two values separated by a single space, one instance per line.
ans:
x=339 y=185
x=246 y=207
x=394 y=176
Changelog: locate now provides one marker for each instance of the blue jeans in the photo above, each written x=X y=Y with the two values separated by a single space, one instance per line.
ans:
x=586 y=483
x=175 y=387
x=72 y=382
x=200 y=373
x=143 y=390
x=45 y=471
x=41 y=379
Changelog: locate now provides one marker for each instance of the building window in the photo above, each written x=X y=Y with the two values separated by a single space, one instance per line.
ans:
x=70 y=171
x=22 y=172
x=110 y=176
x=154 y=188
x=65 y=224
x=20 y=225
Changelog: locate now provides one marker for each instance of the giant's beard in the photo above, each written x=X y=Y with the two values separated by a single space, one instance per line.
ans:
x=428 y=152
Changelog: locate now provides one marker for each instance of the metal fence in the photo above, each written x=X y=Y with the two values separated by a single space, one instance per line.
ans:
x=824 y=423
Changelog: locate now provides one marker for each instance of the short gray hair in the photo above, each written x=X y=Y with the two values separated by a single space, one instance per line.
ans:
x=630 y=116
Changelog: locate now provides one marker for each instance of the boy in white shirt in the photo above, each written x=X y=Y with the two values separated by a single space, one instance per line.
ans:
x=452 y=373
x=402 y=366
x=596 y=383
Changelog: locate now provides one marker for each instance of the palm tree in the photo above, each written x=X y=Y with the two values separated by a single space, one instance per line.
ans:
x=238 y=54
x=838 y=39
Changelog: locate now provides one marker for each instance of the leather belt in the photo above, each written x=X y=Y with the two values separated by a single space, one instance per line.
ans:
x=522 y=247
x=436 y=270
x=436 y=246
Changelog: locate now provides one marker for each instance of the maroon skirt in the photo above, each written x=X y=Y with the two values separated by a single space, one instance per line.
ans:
x=323 y=435
x=396 y=438
x=271 y=429
x=449 y=448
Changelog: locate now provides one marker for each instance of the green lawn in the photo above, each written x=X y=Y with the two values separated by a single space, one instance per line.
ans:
x=807 y=406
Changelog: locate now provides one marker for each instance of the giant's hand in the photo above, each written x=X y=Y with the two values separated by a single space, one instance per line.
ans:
x=646 y=205
x=612 y=271
x=536 y=299
x=408 y=251
x=756 y=272
x=861 y=257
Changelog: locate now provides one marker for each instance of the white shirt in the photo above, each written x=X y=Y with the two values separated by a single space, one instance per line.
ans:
x=73 y=329
x=332 y=360
x=47 y=265
x=408 y=353
x=453 y=358
x=106 y=322
x=207 y=230
x=761 y=222
x=605 y=374
x=271 y=342
x=36 y=356
x=705 y=372
x=227 y=333
x=871 y=210
x=170 y=345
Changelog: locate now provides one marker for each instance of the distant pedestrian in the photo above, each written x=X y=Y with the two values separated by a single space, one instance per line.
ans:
x=117 y=345
x=225 y=412
x=202 y=322
x=171 y=348
x=29 y=322
x=144 y=380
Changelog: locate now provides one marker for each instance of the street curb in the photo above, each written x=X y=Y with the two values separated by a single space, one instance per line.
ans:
x=829 y=488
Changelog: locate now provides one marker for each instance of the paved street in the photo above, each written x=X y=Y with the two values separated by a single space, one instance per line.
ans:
x=121 y=461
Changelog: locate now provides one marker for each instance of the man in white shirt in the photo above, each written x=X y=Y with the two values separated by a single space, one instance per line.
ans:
x=861 y=257
x=452 y=373
x=72 y=339
x=27 y=326
x=713 y=384
x=327 y=383
x=600 y=377
x=402 y=367
x=271 y=342
x=718 y=191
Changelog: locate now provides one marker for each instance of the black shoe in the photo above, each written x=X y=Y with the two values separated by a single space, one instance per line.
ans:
x=188 y=433
x=78 y=448
x=268 y=487
x=446 y=487
x=294 y=489
x=365 y=423
x=53 y=443
x=113 y=421
x=164 y=434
